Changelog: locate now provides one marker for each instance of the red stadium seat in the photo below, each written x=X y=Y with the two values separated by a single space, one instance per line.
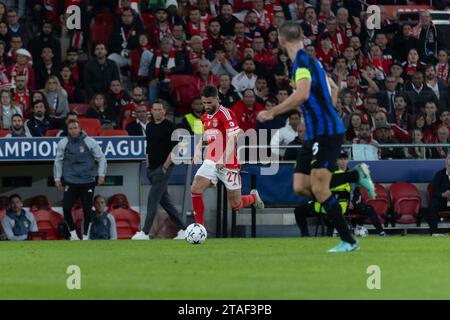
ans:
x=52 y=133
x=48 y=221
x=380 y=204
x=100 y=33
x=104 y=18
x=442 y=214
x=4 y=133
x=126 y=121
x=40 y=202
x=180 y=88
x=91 y=126
x=113 y=133
x=4 y=204
x=118 y=201
x=80 y=108
x=128 y=222
x=405 y=202
x=148 y=20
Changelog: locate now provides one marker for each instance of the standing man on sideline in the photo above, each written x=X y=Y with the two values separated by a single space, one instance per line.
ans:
x=159 y=168
x=75 y=160
x=316 y=94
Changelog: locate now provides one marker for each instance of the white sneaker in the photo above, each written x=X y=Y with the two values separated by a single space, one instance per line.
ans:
x=140 y=235
x=73 y=235
x=85 y=237
x=181 y=235
x=259 y=204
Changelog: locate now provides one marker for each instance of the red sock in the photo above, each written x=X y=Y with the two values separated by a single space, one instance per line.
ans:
x=247 y=201
x=199 y=208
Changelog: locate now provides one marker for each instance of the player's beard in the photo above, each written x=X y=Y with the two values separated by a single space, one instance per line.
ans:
x=213 y=109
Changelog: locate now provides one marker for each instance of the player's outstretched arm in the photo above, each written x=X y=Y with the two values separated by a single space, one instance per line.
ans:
x=293 y=102
x=334 y=91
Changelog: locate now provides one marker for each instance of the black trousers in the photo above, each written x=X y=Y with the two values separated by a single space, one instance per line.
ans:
x=433 y=213
x=306 y=210
x=71 y=194
x=366 y=211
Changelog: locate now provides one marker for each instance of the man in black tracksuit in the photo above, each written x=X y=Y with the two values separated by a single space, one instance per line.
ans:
x=75 y=160
x=440 y=196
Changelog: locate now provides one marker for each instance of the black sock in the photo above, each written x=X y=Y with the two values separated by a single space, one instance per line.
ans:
x=340 y=178
x=334 y=210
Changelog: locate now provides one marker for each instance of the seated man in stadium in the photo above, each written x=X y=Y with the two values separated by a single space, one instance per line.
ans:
x=40 y=121
x=17 y=222
x=72 y=115
x=440 y=197
x=139 y=126
x=18 y=128
x=103 y=224
x=291 y=153
x=287 y=134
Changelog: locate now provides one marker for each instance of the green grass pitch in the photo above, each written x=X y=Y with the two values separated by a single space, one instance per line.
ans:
x=412 y=267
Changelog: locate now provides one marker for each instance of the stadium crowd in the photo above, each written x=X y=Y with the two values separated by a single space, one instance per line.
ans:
x=394 y=81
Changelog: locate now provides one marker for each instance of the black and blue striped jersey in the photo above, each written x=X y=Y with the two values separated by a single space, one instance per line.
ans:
x=321 y=118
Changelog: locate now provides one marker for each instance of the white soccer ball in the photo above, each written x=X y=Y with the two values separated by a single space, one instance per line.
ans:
x=361 y=232
x=196 y=233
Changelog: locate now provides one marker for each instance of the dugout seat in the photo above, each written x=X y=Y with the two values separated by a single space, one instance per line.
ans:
x=442 y=214
x=40 y=202
x=48 y=221
x=78 y=216
x=180 y=90
x=52 y=133
x=118 y=201
x=405 y=203
x=113 y=133
x=380 y=204
x=3 y=133
x=128 y=222
x=92 y=127
x=80 y=108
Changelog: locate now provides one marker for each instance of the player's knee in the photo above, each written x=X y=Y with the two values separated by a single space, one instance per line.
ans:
x=320 y=192
x=195 y=189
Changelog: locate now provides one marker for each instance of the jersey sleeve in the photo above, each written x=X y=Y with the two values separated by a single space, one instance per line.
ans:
x=301 y=71
x=229 y=122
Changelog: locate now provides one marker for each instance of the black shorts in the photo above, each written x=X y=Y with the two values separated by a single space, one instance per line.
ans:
x=322 y=152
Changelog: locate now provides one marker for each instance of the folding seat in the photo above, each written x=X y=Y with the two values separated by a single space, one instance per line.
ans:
x=148 y=20
x=80 y=108
x=52 y=133
x=4 y=133
x=118 y=201
x=128 y=222
x=405 y=203
x=442 y=214
x=101 y=28
x=113 y=133
x=49 y=221
x=126 y=121
x=78 y=216
x=91 y=126
x=380 y=204
x=180 y=88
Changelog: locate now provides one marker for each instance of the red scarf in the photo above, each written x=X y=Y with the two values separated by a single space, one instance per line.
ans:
x=23 y=99
x=170 y=63
x=442 y=71
x=70 y=88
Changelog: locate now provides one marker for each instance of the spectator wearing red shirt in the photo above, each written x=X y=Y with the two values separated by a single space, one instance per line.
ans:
x=264 y=14
x=432 y=121
x=325 y=52
x=419 y=124
x=297 y=9
x=247 y=109
x=365 y=136
x=325 y=10
x=379 y=62
x=22 y=67
x=117 y=97
x=196 y=25
x=262 y=55
x=442 y=67
x=203 y=77
x=161 y=28
x=196 y=52
x=21 y=95
x=338 y=38
x=241 y=39
x=412 y=64
x=73 y=63
x=131 y=107
x=344 y=24
x=72 y=88
x=400 y=116
x=445 y=118
x=214 y=38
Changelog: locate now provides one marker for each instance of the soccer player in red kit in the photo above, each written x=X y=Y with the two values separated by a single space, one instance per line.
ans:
x=221 y=130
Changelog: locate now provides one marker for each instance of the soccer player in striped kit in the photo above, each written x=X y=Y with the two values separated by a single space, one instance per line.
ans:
x=316 y=161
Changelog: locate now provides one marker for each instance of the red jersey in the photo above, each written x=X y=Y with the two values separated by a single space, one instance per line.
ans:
x=218 y=128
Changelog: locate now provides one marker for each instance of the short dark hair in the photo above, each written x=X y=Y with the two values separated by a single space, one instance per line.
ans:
x=15 y=195
x=72 y=121
x=428 y=66
x=210 y=91
x=71 y=113
x=16 y=115
x=71 y=50
x=162 y=102
x=291 y=31
x=99 y=196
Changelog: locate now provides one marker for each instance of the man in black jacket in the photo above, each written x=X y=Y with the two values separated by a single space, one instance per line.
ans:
x=40 y=122
x=45 y=39
x=139 y=126
x=418 y=94
x=99 y=72
x=440 y=197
